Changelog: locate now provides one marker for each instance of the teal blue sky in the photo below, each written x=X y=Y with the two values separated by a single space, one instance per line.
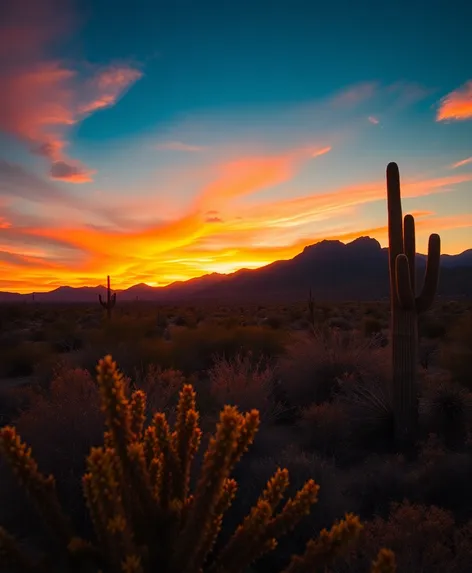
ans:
x=159 y=140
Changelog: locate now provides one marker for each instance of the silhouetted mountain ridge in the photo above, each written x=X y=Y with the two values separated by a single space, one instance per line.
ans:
x=333 y=270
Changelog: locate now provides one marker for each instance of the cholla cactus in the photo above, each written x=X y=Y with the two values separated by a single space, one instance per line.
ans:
x=406 y=306
x=137 y=489
x=109 y=304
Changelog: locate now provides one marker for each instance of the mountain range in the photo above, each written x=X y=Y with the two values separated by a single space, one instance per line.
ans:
x=333 y=270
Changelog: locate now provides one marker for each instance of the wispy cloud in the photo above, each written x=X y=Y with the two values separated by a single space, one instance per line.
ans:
x=18 y=184
x=354 y=95
x=180 y=146
x=107 y=86
x=408 y=93
x=373 y=120
x=461 y=163
x=42 y=98
x=456 y=105
x=321 y=151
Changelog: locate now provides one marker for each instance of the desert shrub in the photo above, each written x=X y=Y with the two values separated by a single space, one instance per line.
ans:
x=162 y=387
x=295 y=313
x=427 y=353
x=21 y=360
x=371 y=325
x=241 y=381
x=194 y=350
x=366 y=399
x=12 y=401
x=275 y=320
x=376 y=483
x=442 y=478
x=127 y=328
x=188 y=350
x=325 y=428
x=437 y=477
x=138 y=353
x=446 y=410
x=230 y=321
x=340 y=322
x=430 y=326
x=63 y=335
x=187 y=319
x=374 y=312
x=456 y=353
x=312 y=367
x=62 y=426
x=424 y=538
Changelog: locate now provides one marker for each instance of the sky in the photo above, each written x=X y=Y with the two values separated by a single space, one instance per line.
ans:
x=157 y=141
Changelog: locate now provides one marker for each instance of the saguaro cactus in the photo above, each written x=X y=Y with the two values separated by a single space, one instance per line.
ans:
x=111 y=299
x=406 y=306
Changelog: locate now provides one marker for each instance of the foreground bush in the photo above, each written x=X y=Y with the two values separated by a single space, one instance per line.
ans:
x=144 y=516
x=424 y=538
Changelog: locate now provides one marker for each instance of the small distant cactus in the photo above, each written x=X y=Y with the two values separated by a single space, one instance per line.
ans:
x=406 y=306
x=109 y=304
x=145 y=517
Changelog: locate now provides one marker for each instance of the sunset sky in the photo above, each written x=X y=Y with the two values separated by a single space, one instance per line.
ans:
x=161 y=140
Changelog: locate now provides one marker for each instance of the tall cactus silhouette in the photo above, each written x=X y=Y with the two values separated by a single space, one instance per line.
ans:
x=406 y=306
x=111 y=299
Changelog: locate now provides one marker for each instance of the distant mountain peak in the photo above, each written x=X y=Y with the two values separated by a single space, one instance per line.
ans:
x=322 y=245
x=141 y=286
x=325 y=246
x=365 y=242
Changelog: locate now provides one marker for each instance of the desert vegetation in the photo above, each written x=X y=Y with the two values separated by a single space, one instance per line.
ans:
x=324 y=398
x=334 y=405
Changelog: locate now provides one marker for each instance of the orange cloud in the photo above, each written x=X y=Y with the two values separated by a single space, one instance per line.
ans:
x=243 y=177
x=42 y=98
x=457 y=105
x=247 y=176
x=461 y=163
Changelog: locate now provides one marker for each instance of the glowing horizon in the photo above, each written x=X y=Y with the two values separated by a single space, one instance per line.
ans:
x=225 y=171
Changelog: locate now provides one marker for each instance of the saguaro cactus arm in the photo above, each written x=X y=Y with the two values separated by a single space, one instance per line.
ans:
x=403 y=287
x=428 y=292
x=409 y=240
x=395 y=227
